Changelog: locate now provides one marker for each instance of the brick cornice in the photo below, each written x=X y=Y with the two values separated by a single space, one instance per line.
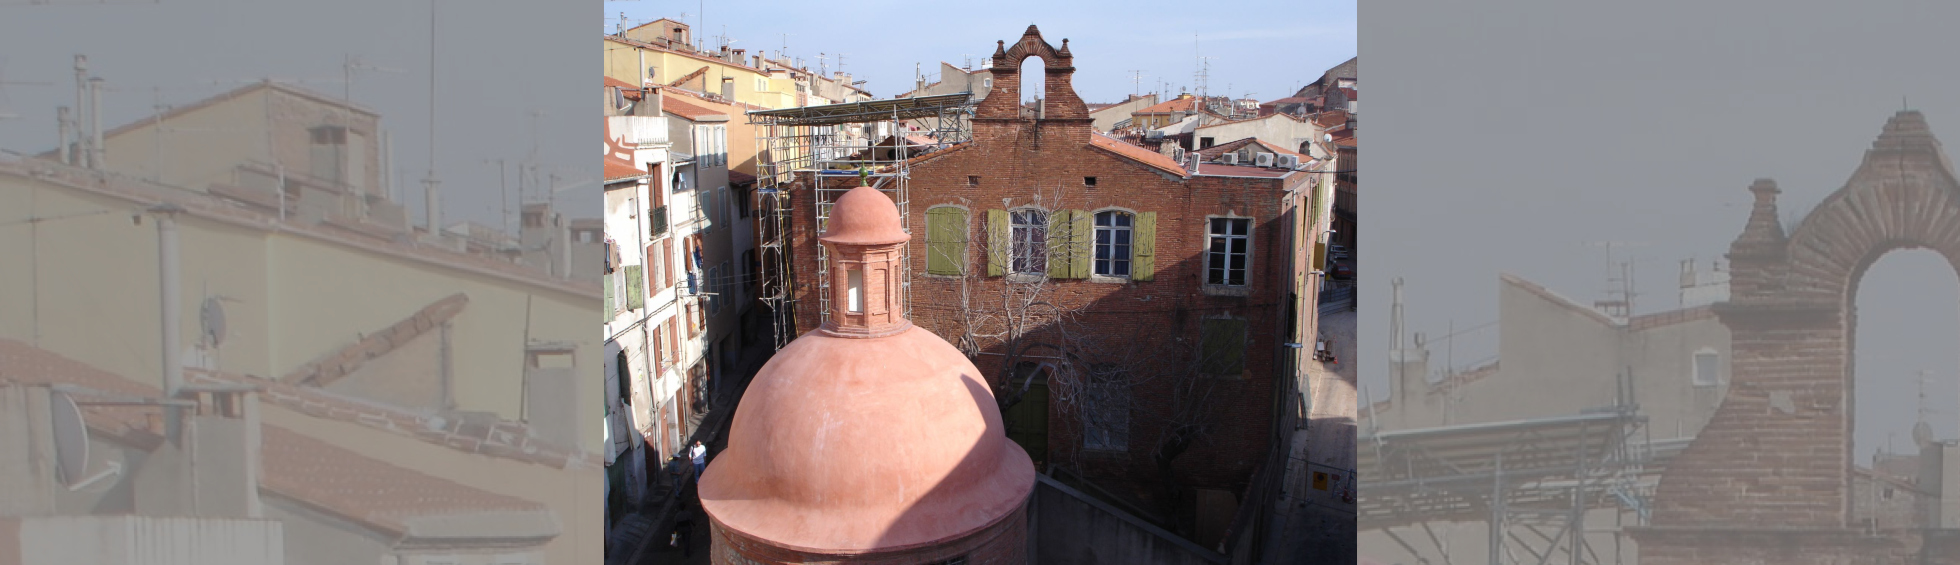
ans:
x=1734 y=314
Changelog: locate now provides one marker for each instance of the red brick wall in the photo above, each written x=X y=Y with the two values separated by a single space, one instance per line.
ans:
x=1777 y=453
x=1162 y=315
x=1004 y=542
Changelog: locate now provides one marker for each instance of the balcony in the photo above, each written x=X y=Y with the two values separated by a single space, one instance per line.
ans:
x=658 y=222
x=638 y=131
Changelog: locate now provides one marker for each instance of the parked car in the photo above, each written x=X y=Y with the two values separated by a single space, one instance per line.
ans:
x=1341 y=271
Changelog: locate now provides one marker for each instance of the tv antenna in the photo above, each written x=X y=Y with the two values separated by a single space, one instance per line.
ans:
x=1136 y=82
x=1619 y=301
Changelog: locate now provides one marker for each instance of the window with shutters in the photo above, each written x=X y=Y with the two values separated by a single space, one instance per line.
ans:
x=1030 y=241
x=656 y=269
x=946 y=230
x=1114 y=234
x=636 y=296
x=714 y=302
x=1228 y=252
x=1221 y=349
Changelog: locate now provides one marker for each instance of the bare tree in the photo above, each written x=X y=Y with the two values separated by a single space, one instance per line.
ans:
x=1010 y=308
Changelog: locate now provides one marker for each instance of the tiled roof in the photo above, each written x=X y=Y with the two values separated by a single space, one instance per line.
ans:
x=335 y=365
x=374 y=493
x=1146 y=157
x=621 y=169
x=629 y=90
x=1172 y=105
x=503 y=438
x=687 y=110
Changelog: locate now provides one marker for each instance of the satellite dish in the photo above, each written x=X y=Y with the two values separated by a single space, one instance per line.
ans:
x=70 y=439
x=213 y=317
x=1327 y=138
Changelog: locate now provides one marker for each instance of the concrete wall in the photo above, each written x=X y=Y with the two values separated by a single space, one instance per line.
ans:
x=1279 y=130
x=130 y=540
x=1106 y=118
x=1073 y=528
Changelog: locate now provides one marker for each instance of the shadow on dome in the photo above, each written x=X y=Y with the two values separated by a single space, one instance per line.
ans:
x=1012 y=474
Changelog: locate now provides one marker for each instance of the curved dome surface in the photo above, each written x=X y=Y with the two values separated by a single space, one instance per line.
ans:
x=864 y=216
x=848 y=445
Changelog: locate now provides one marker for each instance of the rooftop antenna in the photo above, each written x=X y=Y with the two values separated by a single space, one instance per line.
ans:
x=1619 y=301
x=822 y=68
x=432 y=198
x=966 y=61
x=349 y=64
x=1136 y=82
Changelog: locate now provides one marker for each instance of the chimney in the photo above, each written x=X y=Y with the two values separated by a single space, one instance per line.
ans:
x=432 y=201
x=209 y=466
x=96 y=157
x=61 y=117
x=81 y=111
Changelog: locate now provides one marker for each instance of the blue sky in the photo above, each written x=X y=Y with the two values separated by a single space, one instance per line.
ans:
x=1269 y=49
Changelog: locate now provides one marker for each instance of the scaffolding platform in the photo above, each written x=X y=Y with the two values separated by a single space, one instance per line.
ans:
x=827 y=148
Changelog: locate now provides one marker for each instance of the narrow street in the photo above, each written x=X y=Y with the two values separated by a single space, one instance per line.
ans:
x=1316 y=520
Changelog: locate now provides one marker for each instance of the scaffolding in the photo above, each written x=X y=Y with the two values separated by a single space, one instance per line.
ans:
x=1517 y=478
x=827 y=149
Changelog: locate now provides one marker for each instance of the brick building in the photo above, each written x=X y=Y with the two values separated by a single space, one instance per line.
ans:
x=1174 y=288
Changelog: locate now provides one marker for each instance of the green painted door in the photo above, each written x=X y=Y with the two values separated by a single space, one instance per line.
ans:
x=1027 y=423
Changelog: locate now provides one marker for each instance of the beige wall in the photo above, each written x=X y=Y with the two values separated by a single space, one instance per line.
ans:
x=629 y=63
x=293 y=298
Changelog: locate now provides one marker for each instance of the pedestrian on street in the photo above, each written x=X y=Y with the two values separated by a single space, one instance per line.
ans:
x=700 y=455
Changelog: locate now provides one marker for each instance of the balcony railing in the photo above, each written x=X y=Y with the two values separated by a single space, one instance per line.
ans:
x=638 y=130
x=659 y=222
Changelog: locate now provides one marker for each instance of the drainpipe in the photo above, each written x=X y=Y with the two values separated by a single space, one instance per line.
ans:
x=167 y=267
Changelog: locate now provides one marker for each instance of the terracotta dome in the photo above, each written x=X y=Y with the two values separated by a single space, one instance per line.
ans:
x=861 y=444
x=864 y=216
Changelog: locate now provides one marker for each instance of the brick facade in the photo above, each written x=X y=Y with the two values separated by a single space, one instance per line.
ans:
x=1158 y=320
x=1769 y=479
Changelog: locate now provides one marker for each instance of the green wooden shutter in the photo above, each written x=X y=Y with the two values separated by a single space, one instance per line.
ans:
x=612 y=308
x=1143 y=247
x=636 y=294
x=946 y=241
x=1082 y=233
x=1059 y=248
x=998 y=242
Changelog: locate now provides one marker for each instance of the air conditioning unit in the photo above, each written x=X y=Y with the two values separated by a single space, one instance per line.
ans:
x=1231 y=158
x=1263 y=160
x=1289 y=161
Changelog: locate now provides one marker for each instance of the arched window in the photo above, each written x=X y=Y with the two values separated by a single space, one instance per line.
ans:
x=1113 y=243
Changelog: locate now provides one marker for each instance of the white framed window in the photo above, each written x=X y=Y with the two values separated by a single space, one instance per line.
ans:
x=1113 y=231
x=1707 y=367
x=855 y=294
x=1030 y=240
x=1228 y=252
